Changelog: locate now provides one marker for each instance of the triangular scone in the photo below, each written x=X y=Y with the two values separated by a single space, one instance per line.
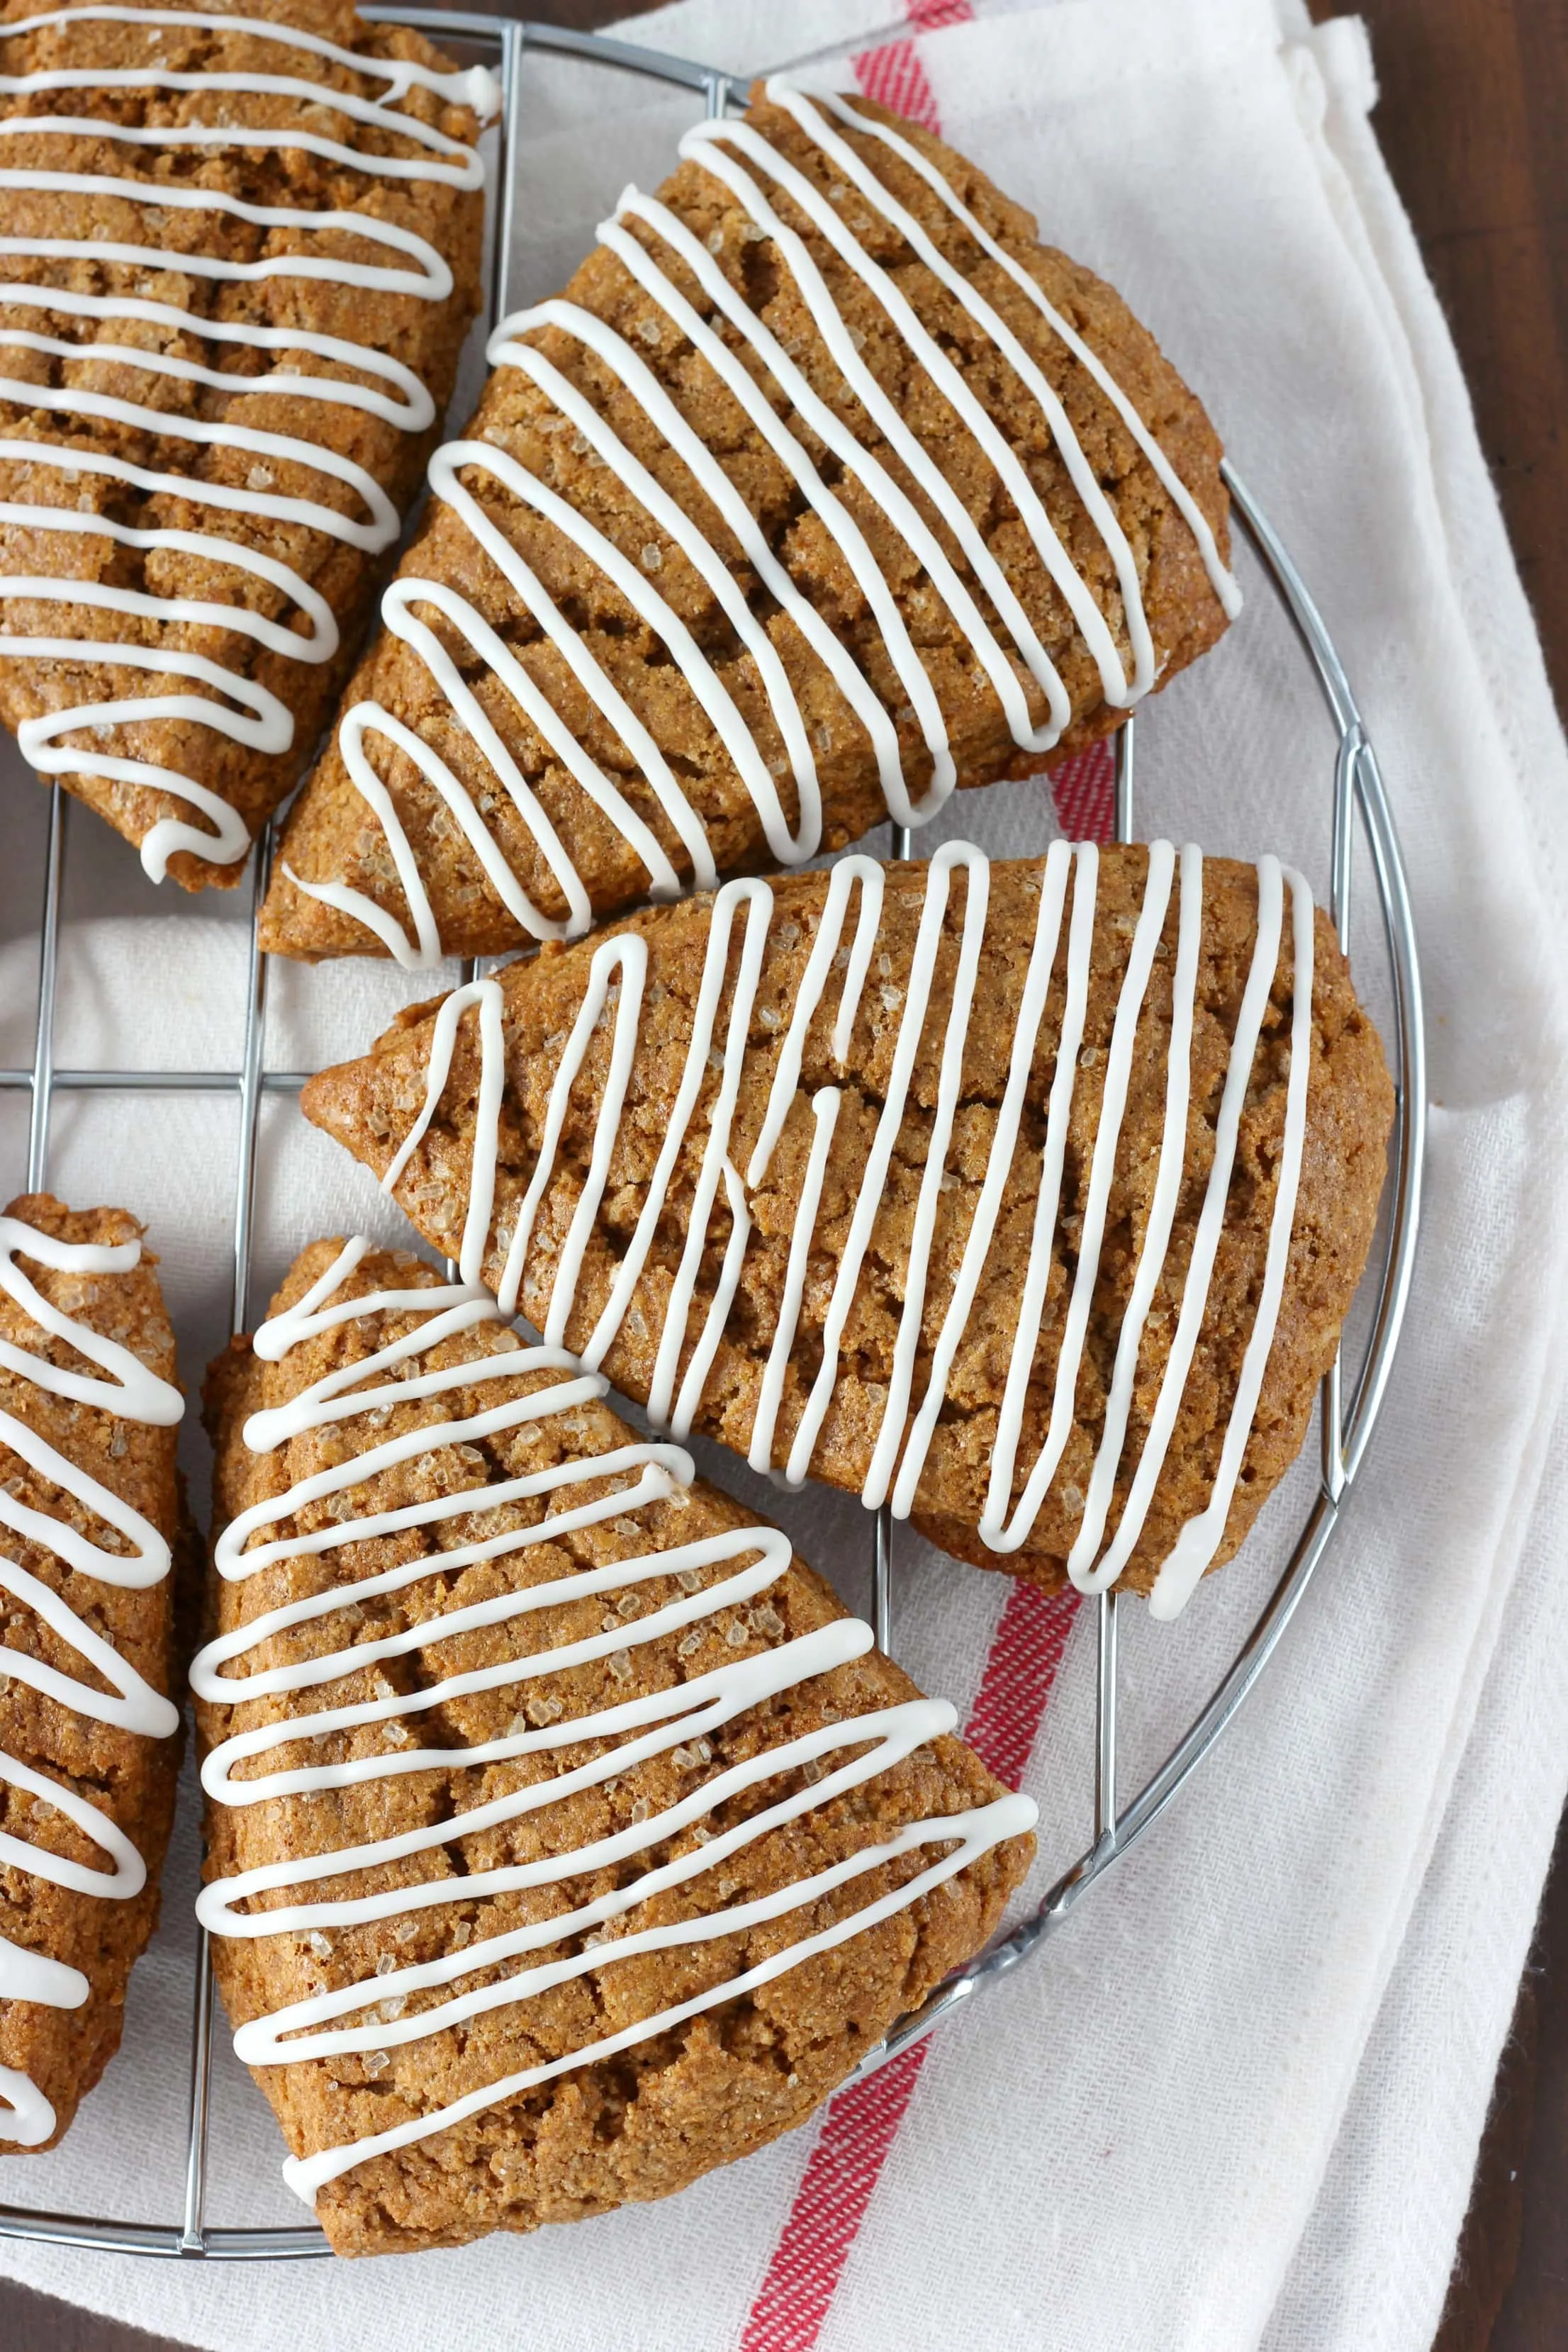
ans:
x=806 y=1167
x=822 y=488
x=717 y=1844
x=227 y=336
x=89 y=1750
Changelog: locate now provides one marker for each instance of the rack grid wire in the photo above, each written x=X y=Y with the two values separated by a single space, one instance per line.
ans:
x=1360 y=807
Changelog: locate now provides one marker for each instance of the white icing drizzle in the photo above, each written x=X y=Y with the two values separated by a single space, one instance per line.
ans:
x=1221 y=580
x=129 y=1392
x=750 y=1561
x=1200 y=1539
x=27 y=2117
x=1000 y=655
x=613 y=992
x=262 y=722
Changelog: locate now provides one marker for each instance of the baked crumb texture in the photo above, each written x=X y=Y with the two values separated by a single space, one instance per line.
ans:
x=227 y=334
x=90 y=1742
x=806 y=1168
x=718 y=1844
x=823 y=488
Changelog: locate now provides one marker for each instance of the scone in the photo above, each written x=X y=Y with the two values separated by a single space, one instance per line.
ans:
x=89 y=1732
x=823 y=488
x=1028 y=1197
x=566 y=1838
x=242 y=254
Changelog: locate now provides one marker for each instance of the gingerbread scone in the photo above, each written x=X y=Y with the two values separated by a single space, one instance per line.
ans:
x=1029 y=1198
x=566 y=1837
x=823 y=489
x=89 y=1732
x=242 y=255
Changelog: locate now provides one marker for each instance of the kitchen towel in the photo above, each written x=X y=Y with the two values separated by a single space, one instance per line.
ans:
x=1236 y=2102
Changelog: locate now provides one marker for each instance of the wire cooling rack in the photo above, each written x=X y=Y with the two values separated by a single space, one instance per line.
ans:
x=1351 y=1398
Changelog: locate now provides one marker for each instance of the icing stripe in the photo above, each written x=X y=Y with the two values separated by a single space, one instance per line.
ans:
x=999 y=1168
x=1161 y=1216
x=839 y=1755
x=421 y=271
x=1119 y=691
x=1005 y=649
x=27 y=2117
x=703 y=141
x=128 y=1391
x=1221 y=580
x=906 y=1424
x=995 y=1533
x=1201 y=1538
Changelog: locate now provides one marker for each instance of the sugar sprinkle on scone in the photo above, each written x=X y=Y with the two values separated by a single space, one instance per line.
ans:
x=825 y=487
x=89 y=1744
x=1029 y=1197
x=567 y=1838
x=243 y=252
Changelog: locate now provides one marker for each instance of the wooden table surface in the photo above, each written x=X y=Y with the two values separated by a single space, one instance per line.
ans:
x=1474 y=121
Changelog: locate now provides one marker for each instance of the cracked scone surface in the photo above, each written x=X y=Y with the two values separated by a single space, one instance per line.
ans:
x=37 y=470
x=335 y=837
x=655 y=2116
x=129 y=1777
x=372 y=1105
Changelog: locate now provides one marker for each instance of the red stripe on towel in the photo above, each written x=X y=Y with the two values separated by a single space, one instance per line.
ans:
x=894 y=75
x=829 y=2206
x=1025 y=1651
x=860 y=2126
x=1084 y=788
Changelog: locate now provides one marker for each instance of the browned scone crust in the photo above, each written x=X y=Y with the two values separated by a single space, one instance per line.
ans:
x=129 y=1778
x=370 y=1106
x=332 y=836
x=663 y=2112
x=425 y=335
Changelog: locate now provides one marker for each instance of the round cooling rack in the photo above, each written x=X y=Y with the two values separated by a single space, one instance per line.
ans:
x=1352 y=1395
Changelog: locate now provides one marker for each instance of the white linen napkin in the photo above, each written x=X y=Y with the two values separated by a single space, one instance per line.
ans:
x=1235 y=2104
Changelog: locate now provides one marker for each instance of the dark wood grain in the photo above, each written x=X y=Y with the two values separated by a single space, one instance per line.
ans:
x=1534 y=2313
x=37 y=2323
x=1510 y=2289
x=1487 y=2264
x=1474 y=121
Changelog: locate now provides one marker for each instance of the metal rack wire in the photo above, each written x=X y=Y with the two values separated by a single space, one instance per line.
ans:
x=1360 y=808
